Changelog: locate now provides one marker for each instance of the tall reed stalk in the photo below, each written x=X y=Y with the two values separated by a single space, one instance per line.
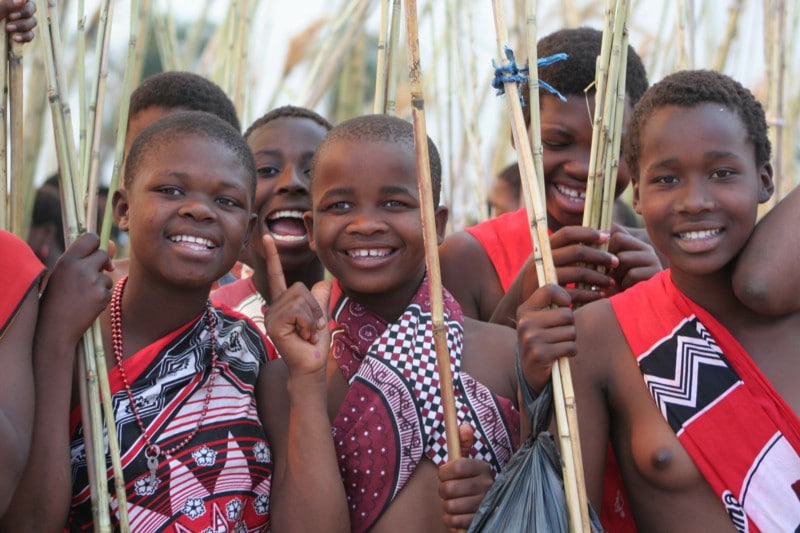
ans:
x=563 y=391
x=429 y=232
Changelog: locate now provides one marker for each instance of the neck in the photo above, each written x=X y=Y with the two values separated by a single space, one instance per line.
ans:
x=714 y=293
x=150 y=311
x=388 y=305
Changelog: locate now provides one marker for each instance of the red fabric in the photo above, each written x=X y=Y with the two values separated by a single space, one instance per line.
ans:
x=220 y=480
x=743 y=437
x=507 y=241
x=391 y=417
x=242 y=297
x=20 y=271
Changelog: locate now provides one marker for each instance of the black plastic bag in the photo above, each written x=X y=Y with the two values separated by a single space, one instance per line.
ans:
x=528 y=495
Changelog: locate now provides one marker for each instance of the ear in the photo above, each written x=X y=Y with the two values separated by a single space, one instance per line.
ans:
x=308 y=220
x=121 y=207
x=636 y=206
x=440 y=215
x=766 y=185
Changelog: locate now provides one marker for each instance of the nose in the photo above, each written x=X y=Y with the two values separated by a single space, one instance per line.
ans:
x=578 y=165
x=365 y=222
x=695 y=196
x=197 y=208
x=293 y=180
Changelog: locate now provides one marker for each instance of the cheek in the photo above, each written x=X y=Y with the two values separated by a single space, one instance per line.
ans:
x=264 y=188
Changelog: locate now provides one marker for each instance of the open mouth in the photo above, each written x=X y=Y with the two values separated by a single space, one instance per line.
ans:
x=576 y=195
x=359 y=253
x=195 y=243
x=699 y=235
x=287 y=226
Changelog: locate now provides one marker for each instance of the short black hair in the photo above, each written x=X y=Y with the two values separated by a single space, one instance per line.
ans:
x=690 y=88
x=384 y=129
x=511 y=175
x=189 y=123
x=575 y=74
x=47 y=208
x=288 y=111
x=184 y=90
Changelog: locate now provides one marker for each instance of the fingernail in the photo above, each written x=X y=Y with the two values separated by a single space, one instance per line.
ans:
x=614 y=261
x=604 y=235
x=320 y=323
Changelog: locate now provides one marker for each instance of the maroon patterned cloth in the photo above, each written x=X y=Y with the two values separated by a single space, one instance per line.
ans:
x=392 y=417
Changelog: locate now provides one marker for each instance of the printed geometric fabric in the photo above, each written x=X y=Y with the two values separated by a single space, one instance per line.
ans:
x=392 y=415
x=674 y=369
x=743 y=437
x=220 y=480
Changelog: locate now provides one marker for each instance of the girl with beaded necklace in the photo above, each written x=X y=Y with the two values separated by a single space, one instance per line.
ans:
x=185 y=375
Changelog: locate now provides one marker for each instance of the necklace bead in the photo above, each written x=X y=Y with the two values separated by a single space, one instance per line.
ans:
x=153 y=450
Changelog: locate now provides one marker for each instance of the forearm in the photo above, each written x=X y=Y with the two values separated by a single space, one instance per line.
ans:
x=765 y=278
x=47 y=471
x=311 y=478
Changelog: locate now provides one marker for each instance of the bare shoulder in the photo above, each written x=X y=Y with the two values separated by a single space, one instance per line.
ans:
x=489 y=356
x=599 y=341
x=467 y=271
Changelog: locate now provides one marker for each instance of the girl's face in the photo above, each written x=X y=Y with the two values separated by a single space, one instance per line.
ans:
x=698 y=187
x=283 y=150
x=187 y=210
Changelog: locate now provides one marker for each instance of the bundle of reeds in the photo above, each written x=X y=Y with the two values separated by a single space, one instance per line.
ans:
x=563 y=392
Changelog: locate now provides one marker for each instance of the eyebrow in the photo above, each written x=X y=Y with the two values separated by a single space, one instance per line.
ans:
x=394 y=189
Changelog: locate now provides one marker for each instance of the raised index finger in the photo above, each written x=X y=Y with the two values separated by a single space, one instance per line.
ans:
x=276 y=281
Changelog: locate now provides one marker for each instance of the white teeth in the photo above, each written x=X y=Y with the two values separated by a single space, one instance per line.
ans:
x=364 y=252
x=696 y=235
x=288 y=238
x=286 y=213
x=572 y=193
x=192 y=240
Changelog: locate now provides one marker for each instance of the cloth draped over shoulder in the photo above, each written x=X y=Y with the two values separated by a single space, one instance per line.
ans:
x=392 y=417
x=743 y=437
x=20 y=271
x=220 y=480
x=243 y=297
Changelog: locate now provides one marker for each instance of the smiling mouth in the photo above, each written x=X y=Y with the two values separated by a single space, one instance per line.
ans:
x=196 y=243
x=287 y=226
x=699 y=235
x=572 y=194
x=369 y=252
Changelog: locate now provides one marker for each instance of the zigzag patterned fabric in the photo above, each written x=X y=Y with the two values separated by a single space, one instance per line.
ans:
x=391 y=417
x=219 y=481
x=708 y=388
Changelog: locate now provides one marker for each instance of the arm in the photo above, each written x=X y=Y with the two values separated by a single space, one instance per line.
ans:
x=469 y=275
x=20 y=21
x=16 y=396
x=547 y=330
x=765 y=277
x=77 y=278
x=292 y=401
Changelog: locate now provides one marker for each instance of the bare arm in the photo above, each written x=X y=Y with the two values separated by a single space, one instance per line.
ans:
x=765 y=278
x=469 y=275
x=16 y=396
x=307 y=489
x=76 y=293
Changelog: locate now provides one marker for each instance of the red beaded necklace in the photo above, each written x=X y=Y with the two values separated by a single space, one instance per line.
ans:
x=152 y=450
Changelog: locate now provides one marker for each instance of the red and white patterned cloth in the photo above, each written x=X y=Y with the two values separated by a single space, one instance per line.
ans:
x=392 y=417
x=219 y=481
x=741 y=434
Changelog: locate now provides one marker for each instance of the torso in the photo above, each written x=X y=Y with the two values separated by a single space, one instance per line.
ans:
x=666 y=489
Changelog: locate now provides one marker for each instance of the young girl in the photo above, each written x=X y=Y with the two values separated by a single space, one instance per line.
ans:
x=697 y=391
x=283 y=143
x=184 y=375
x=381 y=371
